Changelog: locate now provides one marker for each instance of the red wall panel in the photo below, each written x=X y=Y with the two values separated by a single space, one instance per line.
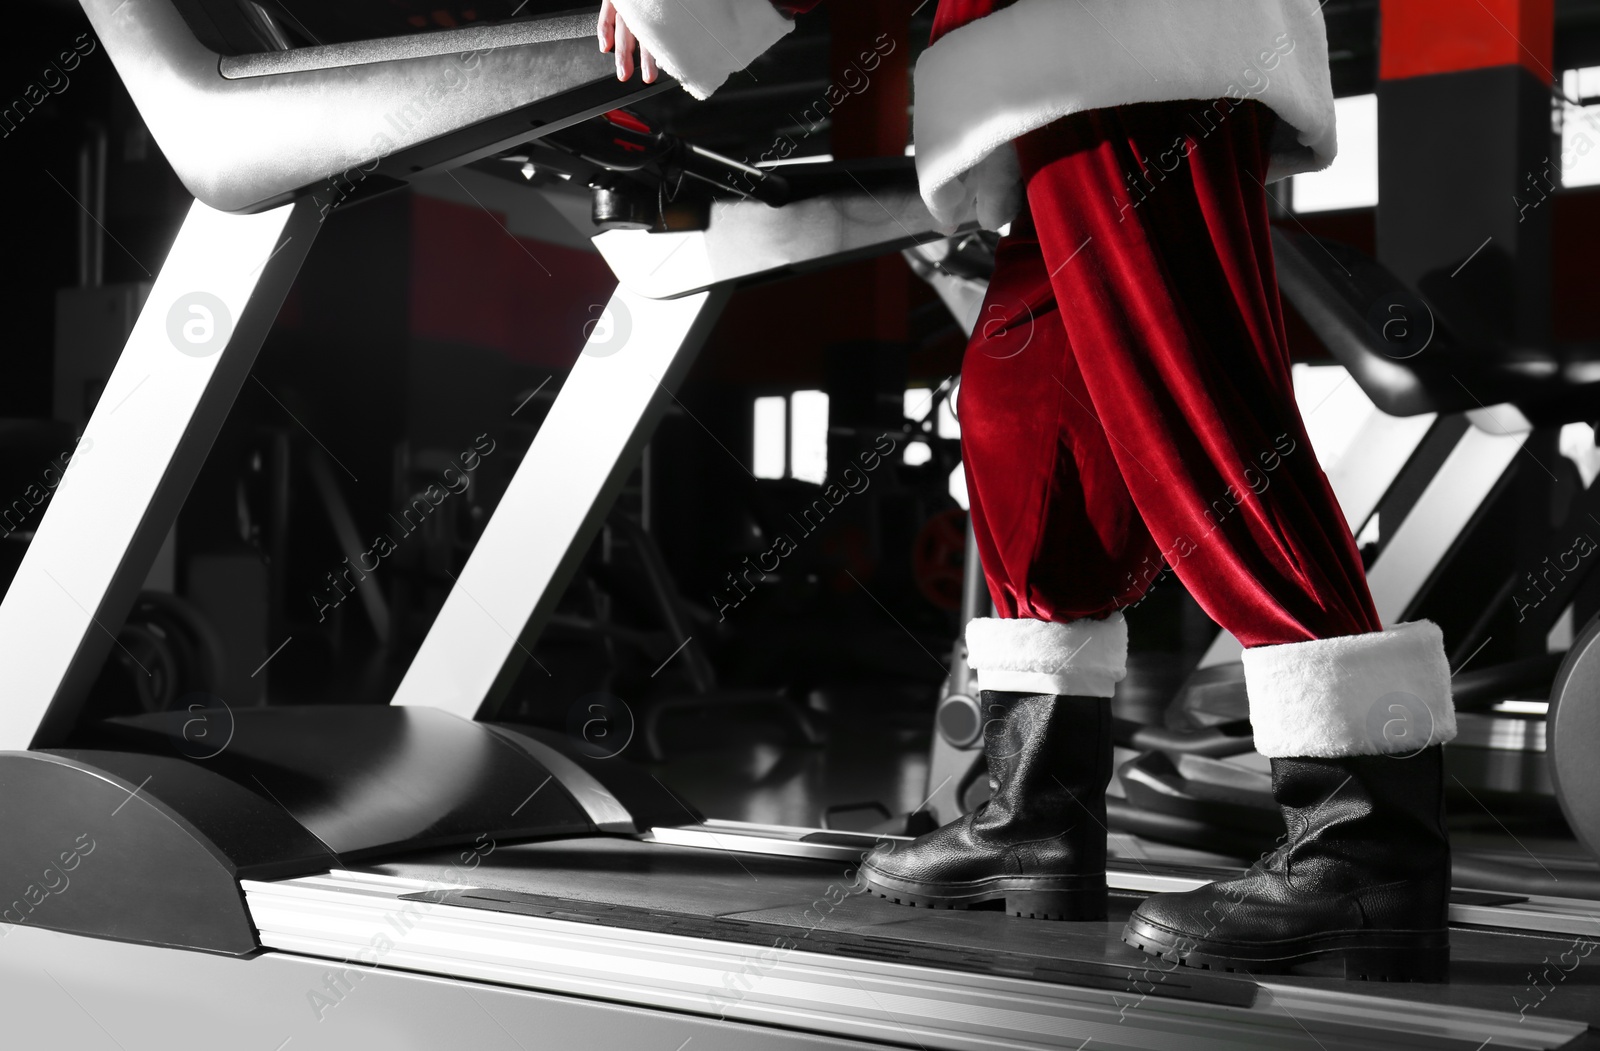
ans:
x=1422 y=37
x=472 y=282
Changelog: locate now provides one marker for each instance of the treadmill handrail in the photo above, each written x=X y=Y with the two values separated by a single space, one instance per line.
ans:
x=1391 y=384
x=1331 y=285
x=415 y=45
x=286 y=122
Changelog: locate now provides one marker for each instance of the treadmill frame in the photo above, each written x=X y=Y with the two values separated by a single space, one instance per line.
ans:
x=151 y=433
x=165 y=403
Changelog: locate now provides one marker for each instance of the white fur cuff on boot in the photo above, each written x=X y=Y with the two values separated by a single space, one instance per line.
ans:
x=1086 y=658
x=1383 y=693
x=700 y=42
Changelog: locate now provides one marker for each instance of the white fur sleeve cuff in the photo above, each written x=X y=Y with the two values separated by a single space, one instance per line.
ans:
x=1383 y=693
x=701 y=42
x=1086 y=658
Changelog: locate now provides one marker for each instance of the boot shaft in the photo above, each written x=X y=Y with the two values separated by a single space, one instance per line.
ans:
x=1049 y=760
x=1363 y=821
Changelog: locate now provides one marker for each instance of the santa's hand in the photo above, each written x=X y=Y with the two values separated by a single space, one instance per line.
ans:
x=615 y=34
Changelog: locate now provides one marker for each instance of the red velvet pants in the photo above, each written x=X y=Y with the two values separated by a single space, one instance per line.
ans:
x=1126 y=398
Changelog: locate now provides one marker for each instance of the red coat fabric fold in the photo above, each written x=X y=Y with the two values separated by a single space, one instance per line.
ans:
x=951 y=14
x=1126 y=402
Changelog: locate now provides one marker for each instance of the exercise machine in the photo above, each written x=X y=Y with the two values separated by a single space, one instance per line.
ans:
x=420 y=874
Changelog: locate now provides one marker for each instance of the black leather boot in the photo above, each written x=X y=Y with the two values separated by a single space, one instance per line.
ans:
x=1363 y=877
x=1039 y=843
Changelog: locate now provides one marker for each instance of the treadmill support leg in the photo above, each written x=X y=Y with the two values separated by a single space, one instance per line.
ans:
x=557 y=501
x=190 y=351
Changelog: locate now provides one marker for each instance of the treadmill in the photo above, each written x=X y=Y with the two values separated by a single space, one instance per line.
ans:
x=421 y=874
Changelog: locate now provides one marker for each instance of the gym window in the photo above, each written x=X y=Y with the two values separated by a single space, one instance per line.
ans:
x=770 y=458
x=790 y=436
x=918 y=403
x=1352 y=180
x=1334 y=409
x=1580 y=127
x=919 y=400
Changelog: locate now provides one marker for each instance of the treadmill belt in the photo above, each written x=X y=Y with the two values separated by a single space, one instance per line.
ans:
x=1179 y=984
x=759 y=899
x=815 y=903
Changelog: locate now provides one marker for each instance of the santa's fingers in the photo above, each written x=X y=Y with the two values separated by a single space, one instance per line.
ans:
x=625 y=45
x=647 y=62
x=606 y=28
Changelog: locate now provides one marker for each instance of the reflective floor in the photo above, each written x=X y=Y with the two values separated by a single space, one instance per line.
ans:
x=740 y=767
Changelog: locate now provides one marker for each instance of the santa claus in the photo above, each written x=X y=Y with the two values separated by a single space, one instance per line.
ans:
x=1126 y=404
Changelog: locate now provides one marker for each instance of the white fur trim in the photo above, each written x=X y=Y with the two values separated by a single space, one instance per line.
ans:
x=1086 y=658
x=1387 y=692
x=1032 y=63
x=702 y=42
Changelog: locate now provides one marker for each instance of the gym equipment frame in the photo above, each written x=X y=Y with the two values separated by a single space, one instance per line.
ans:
x=417 y=874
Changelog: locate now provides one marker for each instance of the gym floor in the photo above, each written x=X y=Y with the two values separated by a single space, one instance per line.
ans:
x=739 y=766
x=871 y=769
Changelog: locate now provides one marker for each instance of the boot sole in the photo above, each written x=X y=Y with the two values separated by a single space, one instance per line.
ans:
x=1367 y=955
x=1028 y=897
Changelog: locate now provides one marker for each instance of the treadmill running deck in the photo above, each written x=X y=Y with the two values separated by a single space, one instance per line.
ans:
x=1506 y=986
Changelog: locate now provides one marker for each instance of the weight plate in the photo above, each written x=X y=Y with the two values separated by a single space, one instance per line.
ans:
x=960 y=720
x=1573 y=737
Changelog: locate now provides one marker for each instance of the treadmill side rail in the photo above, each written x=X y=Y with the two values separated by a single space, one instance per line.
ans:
x=884 y=997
